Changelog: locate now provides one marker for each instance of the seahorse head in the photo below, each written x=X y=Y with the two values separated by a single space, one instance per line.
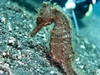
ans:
x=44 y=18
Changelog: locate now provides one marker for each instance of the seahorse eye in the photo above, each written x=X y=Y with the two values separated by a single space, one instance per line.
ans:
x=39 y=20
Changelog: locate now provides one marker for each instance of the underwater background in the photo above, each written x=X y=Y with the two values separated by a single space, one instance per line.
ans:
x=21 y=54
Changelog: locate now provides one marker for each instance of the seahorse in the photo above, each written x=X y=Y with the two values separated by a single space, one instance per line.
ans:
x=60 y=40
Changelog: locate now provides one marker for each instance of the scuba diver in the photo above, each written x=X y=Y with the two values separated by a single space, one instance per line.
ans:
x=80 y=7
x=76 y=9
